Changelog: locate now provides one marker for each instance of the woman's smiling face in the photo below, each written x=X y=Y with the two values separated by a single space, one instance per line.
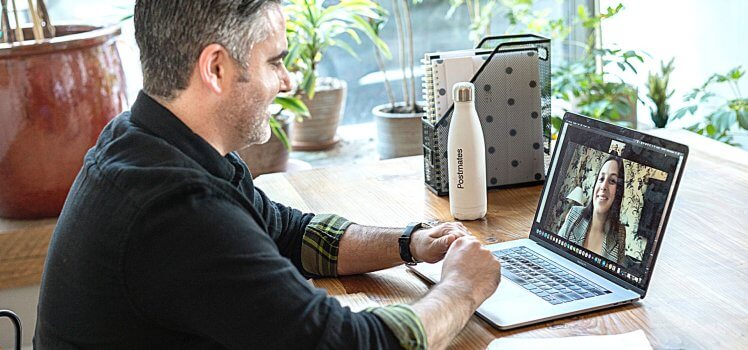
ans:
x=605 y=187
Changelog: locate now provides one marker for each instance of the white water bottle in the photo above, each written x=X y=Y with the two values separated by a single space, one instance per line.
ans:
x=467 y=157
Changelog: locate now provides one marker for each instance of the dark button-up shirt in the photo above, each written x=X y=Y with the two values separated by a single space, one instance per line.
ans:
x=164 y=243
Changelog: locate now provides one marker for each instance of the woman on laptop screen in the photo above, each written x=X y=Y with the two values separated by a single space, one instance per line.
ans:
x=597 y=226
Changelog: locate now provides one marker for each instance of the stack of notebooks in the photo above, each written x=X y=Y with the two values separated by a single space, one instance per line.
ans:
x=512 y=98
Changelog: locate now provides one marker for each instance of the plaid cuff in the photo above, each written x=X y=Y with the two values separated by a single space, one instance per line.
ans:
x=319 y=248
x=404 y=323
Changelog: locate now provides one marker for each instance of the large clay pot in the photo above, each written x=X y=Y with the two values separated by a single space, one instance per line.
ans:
x=318 y=132
x=55 y=97
x=398 y=134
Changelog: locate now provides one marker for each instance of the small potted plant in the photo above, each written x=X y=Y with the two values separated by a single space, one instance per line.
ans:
x=313 y=28
x=399 y=129
x=657 y=84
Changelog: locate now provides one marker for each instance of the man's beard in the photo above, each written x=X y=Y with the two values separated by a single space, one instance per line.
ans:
x=248 y=117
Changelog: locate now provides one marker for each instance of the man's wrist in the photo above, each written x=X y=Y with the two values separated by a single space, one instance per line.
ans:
x=459 y=291
x=405 y=240
x=412 y=246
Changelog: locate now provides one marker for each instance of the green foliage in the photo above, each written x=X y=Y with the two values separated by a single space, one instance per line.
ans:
x=313 y=27
x=523 y=17
x=480 y=12
x=726 y=117
x=586 y=83
x=285 y=103
x=591 y=92
x=657 y=84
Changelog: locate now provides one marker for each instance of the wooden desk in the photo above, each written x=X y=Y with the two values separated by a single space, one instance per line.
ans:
x=698 y=297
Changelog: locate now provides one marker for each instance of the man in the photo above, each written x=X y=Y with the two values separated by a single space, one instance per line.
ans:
x=164 y=241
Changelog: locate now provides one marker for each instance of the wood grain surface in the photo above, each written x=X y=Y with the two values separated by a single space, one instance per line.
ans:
x=23 y=248
x=698 y=297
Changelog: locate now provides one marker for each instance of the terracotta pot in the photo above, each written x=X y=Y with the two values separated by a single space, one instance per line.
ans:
x=269 y=157
x=318 y=132
x=398 y=134
x=55 y=97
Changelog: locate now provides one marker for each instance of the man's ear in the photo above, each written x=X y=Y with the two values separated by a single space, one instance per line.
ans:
x=213 y=68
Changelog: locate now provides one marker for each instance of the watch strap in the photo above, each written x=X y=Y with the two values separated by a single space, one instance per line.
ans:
x=404 y=242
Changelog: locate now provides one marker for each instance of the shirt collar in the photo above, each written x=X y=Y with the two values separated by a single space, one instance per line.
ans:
x=151 y=115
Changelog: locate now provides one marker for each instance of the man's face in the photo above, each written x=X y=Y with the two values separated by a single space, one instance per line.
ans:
x=254 y=89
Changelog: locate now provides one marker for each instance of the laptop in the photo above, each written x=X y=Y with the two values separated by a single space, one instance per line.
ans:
x=564 y=269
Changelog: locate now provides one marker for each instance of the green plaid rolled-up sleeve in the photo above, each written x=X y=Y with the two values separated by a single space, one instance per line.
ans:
x=404 y=323
x=319 y=248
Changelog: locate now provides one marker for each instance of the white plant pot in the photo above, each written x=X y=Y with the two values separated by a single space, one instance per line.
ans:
x=398 y=135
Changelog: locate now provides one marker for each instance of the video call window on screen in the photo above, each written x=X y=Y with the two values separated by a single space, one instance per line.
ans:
x=608 y=198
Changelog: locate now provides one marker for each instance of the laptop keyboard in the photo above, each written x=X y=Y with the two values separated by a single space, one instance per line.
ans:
x=544 y=278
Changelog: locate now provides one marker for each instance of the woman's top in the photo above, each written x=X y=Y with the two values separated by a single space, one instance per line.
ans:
x=576 y=227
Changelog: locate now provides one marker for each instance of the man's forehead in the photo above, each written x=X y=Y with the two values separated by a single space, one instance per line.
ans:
x=274 y=42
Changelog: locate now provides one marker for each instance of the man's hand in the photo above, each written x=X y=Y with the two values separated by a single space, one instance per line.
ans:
x=470 y=275
x=471 y=270
x=431 y=244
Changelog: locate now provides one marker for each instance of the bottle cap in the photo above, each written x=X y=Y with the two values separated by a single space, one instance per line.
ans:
x=463 y=92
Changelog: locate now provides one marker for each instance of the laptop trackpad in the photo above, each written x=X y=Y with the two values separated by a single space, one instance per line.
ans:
x=512 y=304
x=510 y=290
x=507 y=291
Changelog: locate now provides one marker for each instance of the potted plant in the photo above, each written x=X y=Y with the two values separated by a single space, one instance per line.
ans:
x=657 y=84
x=59 y=87
x=313 y=28
x=272 y=156
x=399 y=130
x=728 y=117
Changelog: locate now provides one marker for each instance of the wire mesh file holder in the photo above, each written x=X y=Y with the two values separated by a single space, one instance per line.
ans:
x=16 y=321
x=514 y=110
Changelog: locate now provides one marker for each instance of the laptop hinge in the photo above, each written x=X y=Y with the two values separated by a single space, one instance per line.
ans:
x=598 y=271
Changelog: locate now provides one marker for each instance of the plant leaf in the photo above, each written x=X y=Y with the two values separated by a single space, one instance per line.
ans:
x=344 y=45
x=711 y=130
x=293 y=105
x=277 y=128
x=723 y=119
x=742 y=117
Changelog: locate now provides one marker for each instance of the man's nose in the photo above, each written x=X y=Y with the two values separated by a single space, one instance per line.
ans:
x=285 y=81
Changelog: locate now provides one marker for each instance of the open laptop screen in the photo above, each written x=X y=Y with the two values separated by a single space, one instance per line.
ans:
x=608 y=196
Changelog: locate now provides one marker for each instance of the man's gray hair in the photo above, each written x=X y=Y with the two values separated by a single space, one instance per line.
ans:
x=172 y=33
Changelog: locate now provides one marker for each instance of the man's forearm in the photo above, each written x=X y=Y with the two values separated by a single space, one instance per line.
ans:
x=365 y=249
x=442 y=326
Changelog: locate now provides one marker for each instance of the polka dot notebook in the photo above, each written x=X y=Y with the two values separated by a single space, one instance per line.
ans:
x=512 y=98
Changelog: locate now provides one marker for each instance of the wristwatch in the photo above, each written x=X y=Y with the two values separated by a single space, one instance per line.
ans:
x=404 y=242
